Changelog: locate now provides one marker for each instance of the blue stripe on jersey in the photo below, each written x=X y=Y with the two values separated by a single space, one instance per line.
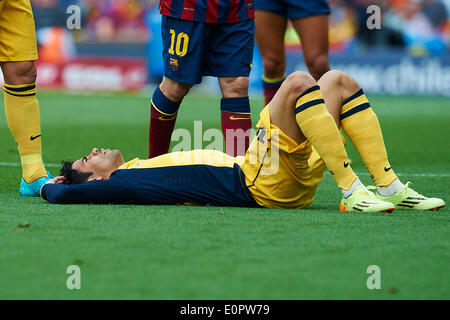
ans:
x=200 y=11
x=242 y=11
x=223 y=11
x=176 y=9
x=227 y=12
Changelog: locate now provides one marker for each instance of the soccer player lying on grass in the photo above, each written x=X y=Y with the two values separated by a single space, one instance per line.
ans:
x=297 y=136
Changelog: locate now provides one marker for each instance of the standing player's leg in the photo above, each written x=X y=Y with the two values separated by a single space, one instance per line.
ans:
x=23 y=117
x=183 y=53
x=351 y=109
x=230 y=59
x=269 y=35
x=165 y=103
x=299 y=110
x=313 y=33
x=235 y=114
x=17 y=55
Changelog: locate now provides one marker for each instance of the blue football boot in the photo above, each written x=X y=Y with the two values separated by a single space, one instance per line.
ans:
x=33 y=189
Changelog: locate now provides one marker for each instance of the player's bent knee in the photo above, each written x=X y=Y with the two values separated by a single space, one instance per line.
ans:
x=299 y=81
x=339 y=79
x=345 y=81
x=336 y=77
x=23 y=72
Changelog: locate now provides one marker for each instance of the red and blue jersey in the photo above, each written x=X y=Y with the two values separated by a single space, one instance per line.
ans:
x=208 y=11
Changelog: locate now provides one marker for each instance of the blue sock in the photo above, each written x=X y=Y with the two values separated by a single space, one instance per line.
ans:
x=235 y=105
x=164 y=104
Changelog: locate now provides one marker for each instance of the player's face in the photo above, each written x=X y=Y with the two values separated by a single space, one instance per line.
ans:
x=100 y=162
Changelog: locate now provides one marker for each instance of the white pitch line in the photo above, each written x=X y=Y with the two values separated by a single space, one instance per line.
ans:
x=17 y=164
x=412 y=174
x=54 y=165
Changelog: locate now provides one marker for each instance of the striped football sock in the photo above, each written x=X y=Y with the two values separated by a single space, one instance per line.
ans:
x=236 y=124
x=24 y=122
x=163 y=116
x=361 y=125
x=321 y=130
x=270 y=87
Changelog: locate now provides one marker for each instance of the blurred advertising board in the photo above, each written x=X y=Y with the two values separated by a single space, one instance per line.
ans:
x=389 y=72
x=93 y=73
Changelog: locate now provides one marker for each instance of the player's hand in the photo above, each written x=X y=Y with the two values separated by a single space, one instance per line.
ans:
x=57 y=180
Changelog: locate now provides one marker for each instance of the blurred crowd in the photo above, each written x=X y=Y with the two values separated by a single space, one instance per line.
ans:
x=421 y=26
x=117 y=20
x=102 y=20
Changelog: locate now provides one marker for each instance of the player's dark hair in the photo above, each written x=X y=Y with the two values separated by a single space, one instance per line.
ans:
x=71 y=175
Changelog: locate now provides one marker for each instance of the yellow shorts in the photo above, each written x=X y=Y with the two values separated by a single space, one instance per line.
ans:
x=279 y=172
x=17 y=31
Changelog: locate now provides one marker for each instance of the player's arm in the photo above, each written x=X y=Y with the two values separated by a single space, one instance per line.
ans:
x=111 y=191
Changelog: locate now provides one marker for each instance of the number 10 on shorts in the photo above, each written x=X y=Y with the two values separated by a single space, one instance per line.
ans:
x=180 y=43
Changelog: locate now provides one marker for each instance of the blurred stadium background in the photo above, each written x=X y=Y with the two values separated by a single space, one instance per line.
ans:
x=118 y=46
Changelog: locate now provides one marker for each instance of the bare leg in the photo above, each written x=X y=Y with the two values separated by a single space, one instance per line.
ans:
x=269 y=35
x=270 y=30
x=313 y=33
x=174 y=90
x=336 y=86
x=233 y=87
x=282 y=107
x=18 y=72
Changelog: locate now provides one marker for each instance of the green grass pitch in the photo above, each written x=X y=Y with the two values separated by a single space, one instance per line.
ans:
x=181 y=252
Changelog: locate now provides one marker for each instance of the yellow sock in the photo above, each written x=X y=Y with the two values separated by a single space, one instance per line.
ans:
x=23 y=117
x=319 y=128
x=361 y=125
